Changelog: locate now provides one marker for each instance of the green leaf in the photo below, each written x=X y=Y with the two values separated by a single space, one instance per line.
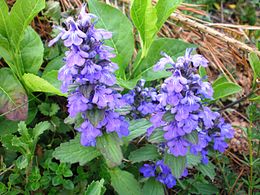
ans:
x=57 y=180
x=13 y=98
x=40 y=128
x=207 y=189
x=54 y=64
x=31 y=48
x=128 y=84
x=164 y=9
x=21 y=162
x=157 y=136
x=171 y=47
x=192 y=137
x=95 y=116
x=202 y=71
x=148 y=152
x=193 y=160
x=255 y=99
x=109 y=147
x=4 y=19
x=137 y=128
x=144 y=17
x=153 y=187
x=74 y=152
x=21 y=15
x=53 y=10
x=207 y=170
x=52 y=78
x=124 y=182
x=255 y=65
x=122 y=32
x=96 y=187
x=177 y=164
x=49 y=109
x=37 y=84
x=225 y=89
x=219 y=80
x=68 y=184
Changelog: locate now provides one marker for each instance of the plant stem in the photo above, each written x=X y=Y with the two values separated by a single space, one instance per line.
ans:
x=249 y=138
x=239 y=100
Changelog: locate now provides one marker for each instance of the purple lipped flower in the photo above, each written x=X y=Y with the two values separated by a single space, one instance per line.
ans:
x=162 y=62
x=199 y=60
x=148 y=170
x=178 y=146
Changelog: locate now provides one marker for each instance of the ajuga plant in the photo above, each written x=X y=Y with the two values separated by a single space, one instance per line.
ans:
x=88 y=78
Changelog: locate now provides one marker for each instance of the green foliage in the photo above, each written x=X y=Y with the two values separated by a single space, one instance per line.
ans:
x=124 y=182
x=225 y=89
x=96 y=187
x=77 y=152
x=153 y=187
x=49 y=109
x=207 y=170
x=109 y=147
x=255 y=65
x=122 y=33
x=177 y=164
x=145 y=153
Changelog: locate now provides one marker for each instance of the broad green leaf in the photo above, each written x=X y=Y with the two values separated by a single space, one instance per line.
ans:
x=52 y=78
x=49 y=109
x=37 y=84
x=128 y=84
x=31 y=48
x=255 y=65
x=220 y=80
x=4 y=31
x=192 y=137
x=153 y=187
x=202 y=71
x=6 y=51
x=144 y=17
x=225 y=89
x=74 y=152
x=137 y=128
x=171 y=47
x=193 y=160
x=21 y=15
x=206 y=189
x=54 y=64
x=164 y=9
x=96 y=188
x=7 y=126
x=122 y=39
x=148 y=152
x=177 y=164
x=124 y=182
x=157 y=136
x=40 y=128
x=207 y=170
x=109 y=147
x=13 y=98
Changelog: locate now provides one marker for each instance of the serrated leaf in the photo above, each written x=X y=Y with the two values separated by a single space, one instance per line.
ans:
x=21 y=16
x=13 y=98
x=31 y=48
x=48 y=109
x=177 y=164
x=148 y=152
x=7 y=126
x=40 y=128
x=137 y=128
x=74 y=152
x=96 y=187
x=109 y=147
x=124 y=182
x=122 y=32
x=37 y=84
x=225 y=89
x=153 y=187
x=207 y=170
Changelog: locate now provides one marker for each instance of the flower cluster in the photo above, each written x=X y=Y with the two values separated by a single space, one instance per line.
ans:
x=88 y=77
x=142 y=100
x=161 y=172
x=182 y=113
